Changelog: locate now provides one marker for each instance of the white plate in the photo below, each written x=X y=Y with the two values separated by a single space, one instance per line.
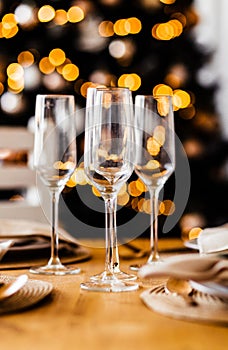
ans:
x=212 y=288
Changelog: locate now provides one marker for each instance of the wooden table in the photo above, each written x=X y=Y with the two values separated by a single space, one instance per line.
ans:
x=74 y=319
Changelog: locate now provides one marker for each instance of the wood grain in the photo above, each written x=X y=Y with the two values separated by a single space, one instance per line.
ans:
x=74 y=319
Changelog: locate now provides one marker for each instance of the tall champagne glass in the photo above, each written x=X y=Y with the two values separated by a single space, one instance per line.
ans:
x=55 y=161
x=155 y=154
x=108 y=163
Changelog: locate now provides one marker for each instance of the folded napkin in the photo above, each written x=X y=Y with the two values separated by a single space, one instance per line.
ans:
x=24 y=242
x=188 y=267
x=13 y=229
x=214 y=239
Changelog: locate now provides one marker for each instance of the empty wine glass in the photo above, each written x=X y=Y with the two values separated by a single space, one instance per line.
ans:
x=108 y=163
x=55 y=161
x=155 y=154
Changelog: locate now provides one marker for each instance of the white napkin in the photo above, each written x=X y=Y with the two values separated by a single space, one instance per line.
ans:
x=214 y=239
x=11 y=229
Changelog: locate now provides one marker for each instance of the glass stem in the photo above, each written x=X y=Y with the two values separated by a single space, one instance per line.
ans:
x=111 y=245
x=54 y=260
x=154 y=254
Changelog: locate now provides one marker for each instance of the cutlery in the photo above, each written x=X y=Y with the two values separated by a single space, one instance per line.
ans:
x=8 y=289
x=176 y=286
x=189 y=267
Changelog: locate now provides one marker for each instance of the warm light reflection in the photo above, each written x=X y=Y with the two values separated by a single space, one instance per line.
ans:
x=106 y=29
x=75 y=14
x=133 y=190
x=127 y=26
x=162 y=89
x=46 y=13
x=168 y=30
x=1 y=88
x=57 y=57
x=167 y=207
x=70 y=72
x=168 y=2
x=60 y=17
x=123 y=199
x=181 y=98
x=131 y=81
x=9 y=26
x=25 y=58
x=153 y=149
x=46 y=66
x=194 y=232
x=140 y=185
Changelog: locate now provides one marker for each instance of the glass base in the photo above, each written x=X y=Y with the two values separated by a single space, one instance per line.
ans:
x=57 y=270
x=109 y=286
x=120 y=275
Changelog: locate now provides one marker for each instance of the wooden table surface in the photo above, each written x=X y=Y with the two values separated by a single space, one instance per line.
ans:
x=74 y=319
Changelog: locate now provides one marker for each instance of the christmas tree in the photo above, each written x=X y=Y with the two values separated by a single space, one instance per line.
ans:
x=146 y=45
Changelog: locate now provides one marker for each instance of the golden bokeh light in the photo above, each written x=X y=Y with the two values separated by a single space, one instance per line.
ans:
x=140 y=185
x=181 y=99
x=46 y=13
x=57 y=57
x=168 y=2
x=140 y=205
x=146 y=206
x=153 y=164
x=15 y=71
x=16 y=85
x=9 y=26
x=167 y=207
x=70 y=72
x=123 y=199
x=1 y=88
x=135 y=25
x=162 y=89
x=61 y=66
x=194 y=232
x=123 y=189
x=46 y=66
x=25 y=58
x=96 y=192
x=164 y=31
x=159 y=134
x=134 y=203
x=167 y=30
x=153 y=148
x=75 y=14
x=121 y=27
x=133 y=190
x=131 y=81
x=60 y=17
x=106 y=29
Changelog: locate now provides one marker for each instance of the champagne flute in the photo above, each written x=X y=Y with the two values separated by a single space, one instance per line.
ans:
x=108 y=163
x=55 y=161
x=155 y=155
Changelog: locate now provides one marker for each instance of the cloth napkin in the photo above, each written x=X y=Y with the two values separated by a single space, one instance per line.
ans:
x=23 y=241
x=13 y=229
x=214 y=239
x=188 y=267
